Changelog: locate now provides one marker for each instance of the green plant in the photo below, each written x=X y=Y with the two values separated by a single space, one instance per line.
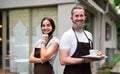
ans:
x=109 y=64
x=117 y=57
x=104 y=70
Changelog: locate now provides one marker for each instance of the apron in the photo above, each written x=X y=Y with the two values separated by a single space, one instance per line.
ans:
x=45 y=68
x=83 y=68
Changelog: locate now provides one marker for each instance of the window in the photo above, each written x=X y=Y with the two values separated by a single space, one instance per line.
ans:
x=89 y=23
x=107 y=32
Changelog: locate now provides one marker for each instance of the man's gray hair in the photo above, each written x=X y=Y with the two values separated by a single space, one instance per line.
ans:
x=77 y=7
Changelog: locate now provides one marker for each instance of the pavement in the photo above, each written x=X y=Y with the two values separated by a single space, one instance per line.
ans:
x=116 y=68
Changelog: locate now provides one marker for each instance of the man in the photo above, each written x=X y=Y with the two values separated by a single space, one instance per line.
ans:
x=74 y=43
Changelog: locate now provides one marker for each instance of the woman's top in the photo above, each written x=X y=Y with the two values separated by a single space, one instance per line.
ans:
x=52 y=40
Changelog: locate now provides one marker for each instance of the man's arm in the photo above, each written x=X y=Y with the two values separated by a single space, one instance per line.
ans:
x=66 y=60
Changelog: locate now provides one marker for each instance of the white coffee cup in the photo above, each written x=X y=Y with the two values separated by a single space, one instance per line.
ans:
x=93 y=52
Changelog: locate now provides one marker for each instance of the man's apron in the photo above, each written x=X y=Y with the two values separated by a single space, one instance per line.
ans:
x=81 y=50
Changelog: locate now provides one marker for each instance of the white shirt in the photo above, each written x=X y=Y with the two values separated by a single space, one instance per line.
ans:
x=53 y=40
x=68 y=40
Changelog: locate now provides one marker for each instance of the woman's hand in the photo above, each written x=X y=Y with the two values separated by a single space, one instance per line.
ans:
x=45 y=38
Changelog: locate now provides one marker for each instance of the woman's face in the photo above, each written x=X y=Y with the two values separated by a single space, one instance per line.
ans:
x=46 y=27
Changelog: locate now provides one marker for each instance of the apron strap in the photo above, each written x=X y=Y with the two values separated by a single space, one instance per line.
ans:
x=90 y=41
x=49 y=40
x=75 y=34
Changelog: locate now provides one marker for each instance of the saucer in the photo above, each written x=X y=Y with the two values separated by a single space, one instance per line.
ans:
x=95 y=56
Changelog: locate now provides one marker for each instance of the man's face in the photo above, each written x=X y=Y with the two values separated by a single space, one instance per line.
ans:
x=78 y=17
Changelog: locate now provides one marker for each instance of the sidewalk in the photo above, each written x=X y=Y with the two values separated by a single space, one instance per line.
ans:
x=116 y=68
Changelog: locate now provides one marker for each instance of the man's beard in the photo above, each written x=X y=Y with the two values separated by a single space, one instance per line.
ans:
x=78 y=26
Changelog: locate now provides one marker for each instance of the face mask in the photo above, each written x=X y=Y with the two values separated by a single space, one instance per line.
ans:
x=49 y=34
x=78 y=26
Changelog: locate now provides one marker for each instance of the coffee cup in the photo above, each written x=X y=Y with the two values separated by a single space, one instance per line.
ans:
x=93 y=52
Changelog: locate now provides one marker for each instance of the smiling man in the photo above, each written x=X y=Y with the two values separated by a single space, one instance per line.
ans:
x=74 y=43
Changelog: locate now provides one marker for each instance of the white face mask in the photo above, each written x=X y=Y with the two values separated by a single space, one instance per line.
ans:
x=78 y=26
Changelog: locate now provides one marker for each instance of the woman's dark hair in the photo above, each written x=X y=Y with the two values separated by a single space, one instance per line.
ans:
x=51 y=22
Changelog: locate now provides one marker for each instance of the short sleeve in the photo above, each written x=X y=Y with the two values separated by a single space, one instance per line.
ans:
x=65 y=41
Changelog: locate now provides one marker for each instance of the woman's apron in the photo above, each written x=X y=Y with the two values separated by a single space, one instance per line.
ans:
x=44 y=68
x=81 y=50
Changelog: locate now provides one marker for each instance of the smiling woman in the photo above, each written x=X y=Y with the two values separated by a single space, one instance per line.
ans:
x=45 y=51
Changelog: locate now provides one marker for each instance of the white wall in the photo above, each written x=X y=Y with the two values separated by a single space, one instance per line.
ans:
x=64 y=23
x=96 y=34
x=112 y=43
x=29 y=3
x=64 y=17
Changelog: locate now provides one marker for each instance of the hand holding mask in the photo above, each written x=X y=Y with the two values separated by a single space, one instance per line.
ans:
x=44 y=38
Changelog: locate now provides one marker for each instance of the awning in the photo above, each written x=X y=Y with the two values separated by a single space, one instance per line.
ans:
x=95 y=6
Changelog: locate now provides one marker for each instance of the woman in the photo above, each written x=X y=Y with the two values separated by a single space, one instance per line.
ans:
x=45 y=49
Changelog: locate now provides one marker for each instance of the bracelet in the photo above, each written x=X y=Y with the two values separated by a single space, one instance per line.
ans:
x=41 y=62
x=83 y=60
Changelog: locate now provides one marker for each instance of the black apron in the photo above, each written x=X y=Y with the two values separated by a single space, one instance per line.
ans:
x=44 y=68
x=81 y=50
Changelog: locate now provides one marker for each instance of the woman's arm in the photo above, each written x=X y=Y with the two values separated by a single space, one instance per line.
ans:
x=33 y=59
x=48 y=53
